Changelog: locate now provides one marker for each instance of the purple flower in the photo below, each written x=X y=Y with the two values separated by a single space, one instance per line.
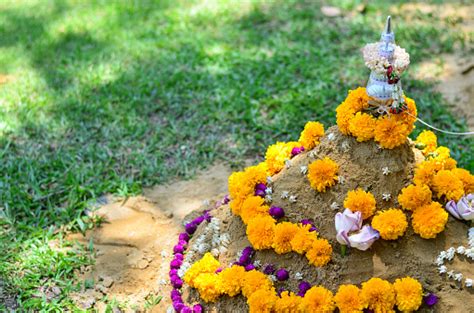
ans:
x=303 y=287
x=178 y=306
x=249 y=267
x=464 y=209
x=313 y=228
x=260 y=186
x=260 y=193
x=176 y=282
x=307 y=222
x=190 y=228
x=207 y=216
x=198 y=220
x=175 y=263
x=179 y=256
x=246 y=255
x=276 y=212
x=430 y=299
x=178 y=249
x=173 y=272
x=218 y=270
x=175 y=295
x=183 y=236
x=296 y=150
x=269 y=269
x=364 y=238
x=197 y=308
x=282 y=274
x=187 y=309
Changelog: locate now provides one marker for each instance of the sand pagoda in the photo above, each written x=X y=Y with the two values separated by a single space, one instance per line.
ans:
x=355 y=218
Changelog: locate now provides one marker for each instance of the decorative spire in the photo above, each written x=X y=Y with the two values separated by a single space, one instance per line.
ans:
x=386 y=61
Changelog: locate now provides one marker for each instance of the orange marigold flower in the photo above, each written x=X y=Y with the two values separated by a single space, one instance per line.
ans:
x=262 y=301
x=207 y=264
x=253 y=206
x=362 y=126
x=349 y=299
x=318 y=299
x=425 y=172
x=449 y=164
x=429 y=220
x=310 y=135
x=446 y=183
x=284 y=233
x=287 y=302
x=344 y=114
x=232 y=279
x=427 y=141
x=379 y=295
x=414 y=196
x=260 y=232
x=254 y=280
x=359 y=200
x=391 y=223
x=320 y=252
x=442 y=153
x=409 y=294
x=322 y=174
x=239 y=190
x=390 y=133
x=277 y=154
x=410 y=118
x=209 y=286
x=303 y=239
x=466 y=178
x=358 y=99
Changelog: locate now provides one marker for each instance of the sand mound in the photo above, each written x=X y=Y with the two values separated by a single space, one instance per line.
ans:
x=361 y=166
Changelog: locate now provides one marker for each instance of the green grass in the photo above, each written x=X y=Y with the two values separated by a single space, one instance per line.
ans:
x=109 y=97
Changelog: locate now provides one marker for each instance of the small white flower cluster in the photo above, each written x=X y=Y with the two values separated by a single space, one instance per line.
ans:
x=341 y=180
x=449 y=255
x=298 y=276
x=286 y=195
x=313 y=154
x=210 y=240
x=386 y=196
x=335 y=206
x=346 y=146
x=386 y=170
x=331 y=136
x=268 y=194
x=287 y=163
x=303 y=170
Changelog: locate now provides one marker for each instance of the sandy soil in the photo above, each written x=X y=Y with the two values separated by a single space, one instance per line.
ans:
x=133 y=246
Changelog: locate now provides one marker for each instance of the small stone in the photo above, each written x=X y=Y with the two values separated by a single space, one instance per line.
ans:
x=142 y=264
x=101 y=288
x=108 y=281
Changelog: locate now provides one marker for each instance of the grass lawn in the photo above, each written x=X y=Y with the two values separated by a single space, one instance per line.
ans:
x=109 y=97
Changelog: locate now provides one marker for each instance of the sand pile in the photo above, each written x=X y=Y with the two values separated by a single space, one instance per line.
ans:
x=361 y=166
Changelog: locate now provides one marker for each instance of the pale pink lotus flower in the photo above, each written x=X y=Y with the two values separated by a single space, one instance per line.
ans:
x=464 y=209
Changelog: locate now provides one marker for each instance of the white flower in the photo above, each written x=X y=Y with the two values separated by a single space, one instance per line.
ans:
x=341 y=180
x=206 y=202
x=345 y=146
x=292 y=199
x=450 y=253
x=170 y=309
x=386 y=170
x=272 y=277
x=285 y=194
x=442 y=269
x=215 y=252
x=257 y=263
x=461 y=250
x=335 y=206
x=331 y=136
x=450 y=274
x=439 y=261
x=164 y=253
x=379 y=148
x=298 y=276
x=287 y=163
x=443 y=254
x=164 y=282
x=203 y=248
x=269 y=191
x=469 y=282
x=222 y=249
x=269 y=180
x=181 y=272
x=458 y=277
x=313 y=154
x=303 y=169
x=268 y=198
x=386 y=197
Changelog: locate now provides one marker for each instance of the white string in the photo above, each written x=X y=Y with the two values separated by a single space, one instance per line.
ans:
x=440 y=130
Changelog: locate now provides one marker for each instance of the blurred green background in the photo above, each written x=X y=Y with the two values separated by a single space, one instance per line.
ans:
x=108 y=97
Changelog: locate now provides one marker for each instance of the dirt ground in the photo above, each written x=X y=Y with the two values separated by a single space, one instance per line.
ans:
x=133 y=247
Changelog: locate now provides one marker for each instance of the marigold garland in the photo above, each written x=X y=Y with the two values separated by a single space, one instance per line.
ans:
x=389 y=130
x=429 y=220
x=311 y=134
x=409 y=294
x=361 y=201
x=207 y=264
x=379 y=294
x=284 y=233
x=322 y=174
x=391 y=223
x=318 y=299
x=376 y=294
x=414 y=196
x=349 y=299
x=253 y=206
x=446 y=183
x=303 y=239
x=260 y=232
x=277 y=154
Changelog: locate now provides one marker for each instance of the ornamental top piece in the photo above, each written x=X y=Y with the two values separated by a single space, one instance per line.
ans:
x=387 y=61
